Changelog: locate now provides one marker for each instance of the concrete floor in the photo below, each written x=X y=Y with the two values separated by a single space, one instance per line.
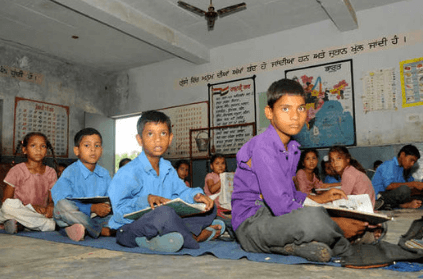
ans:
x=23 y=257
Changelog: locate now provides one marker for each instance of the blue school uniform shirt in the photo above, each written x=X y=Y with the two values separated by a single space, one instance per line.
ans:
x=387 y=173
x=269 y=178
x=132 y=184
x=77 y=181
x=331 y=179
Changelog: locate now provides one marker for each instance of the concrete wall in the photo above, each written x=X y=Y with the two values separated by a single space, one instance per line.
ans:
x=80 y=88
x=154 y=84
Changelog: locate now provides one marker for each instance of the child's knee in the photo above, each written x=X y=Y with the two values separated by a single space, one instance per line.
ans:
x=64 y=206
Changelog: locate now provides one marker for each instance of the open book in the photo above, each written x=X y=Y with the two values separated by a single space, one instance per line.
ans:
x=356 y=207
x=226 y=189
x=97 y=199
x=181 y=207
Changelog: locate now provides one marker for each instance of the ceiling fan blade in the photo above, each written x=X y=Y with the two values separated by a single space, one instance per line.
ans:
x=191 y=8
x=231 y=9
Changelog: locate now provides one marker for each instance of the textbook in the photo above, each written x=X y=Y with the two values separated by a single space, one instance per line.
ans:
x=181 y=207
x=226 y=189
x=97 y=199
x=356 y=207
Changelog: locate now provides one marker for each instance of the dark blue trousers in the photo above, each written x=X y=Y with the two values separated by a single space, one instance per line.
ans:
x=164 y=220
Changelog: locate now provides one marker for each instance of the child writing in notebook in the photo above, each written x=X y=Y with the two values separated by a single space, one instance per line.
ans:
x=151 y=181
x=212 y=181
x=354 y=180
x=27 y=199
x=307 y=176
x=182 y=168
x=83 y=179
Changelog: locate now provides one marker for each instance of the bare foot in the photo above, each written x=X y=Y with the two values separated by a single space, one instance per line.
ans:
x=206 y=233
x=412 y=204
x=107 y=232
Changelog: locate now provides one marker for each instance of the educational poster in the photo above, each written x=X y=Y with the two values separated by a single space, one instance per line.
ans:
x=411 y=72
x=50 y=119
x=184 y=118
x=329 y=102
x=379 y=90
x=232 y=104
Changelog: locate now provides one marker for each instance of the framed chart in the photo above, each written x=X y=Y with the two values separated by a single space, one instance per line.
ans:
x=50 y=119
x=184 y=118
x=232 y=103
x=330 y=104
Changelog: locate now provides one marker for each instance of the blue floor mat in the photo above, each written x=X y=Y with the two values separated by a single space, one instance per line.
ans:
x=220 y=249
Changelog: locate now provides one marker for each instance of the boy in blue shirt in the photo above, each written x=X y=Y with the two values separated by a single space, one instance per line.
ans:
x=394 y=186
x=150 y=181
x=84 y=178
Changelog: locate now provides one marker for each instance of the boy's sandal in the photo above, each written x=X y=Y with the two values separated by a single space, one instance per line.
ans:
x=171 y=242
x=222 y=228
x=369 y=238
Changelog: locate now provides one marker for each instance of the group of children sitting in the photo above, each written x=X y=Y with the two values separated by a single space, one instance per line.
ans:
x=268 y=215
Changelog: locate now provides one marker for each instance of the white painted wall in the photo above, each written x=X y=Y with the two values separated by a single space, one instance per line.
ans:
x=152 y=87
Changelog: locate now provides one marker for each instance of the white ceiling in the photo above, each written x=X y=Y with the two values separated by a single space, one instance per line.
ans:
x=120 y=34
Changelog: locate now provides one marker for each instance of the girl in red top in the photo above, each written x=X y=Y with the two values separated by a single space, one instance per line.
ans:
x=354 y=180
x=307 y=177
x=27 y=199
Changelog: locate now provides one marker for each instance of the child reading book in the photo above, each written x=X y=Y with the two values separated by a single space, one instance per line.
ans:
x=151 y=181
x=83 y=179
x=267 y=212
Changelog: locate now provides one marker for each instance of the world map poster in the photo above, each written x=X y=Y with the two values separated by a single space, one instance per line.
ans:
x=329 y=102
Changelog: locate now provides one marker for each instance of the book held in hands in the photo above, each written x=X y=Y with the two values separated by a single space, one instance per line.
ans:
x=181 y=208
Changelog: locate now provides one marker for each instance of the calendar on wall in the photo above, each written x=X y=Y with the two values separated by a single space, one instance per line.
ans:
x=50 y=119
x=184 y=118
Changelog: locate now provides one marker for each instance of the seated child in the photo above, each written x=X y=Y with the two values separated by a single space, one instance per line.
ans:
x=354 y=180
x=60 y=168
x=150 y=181
x=83 y=179
x=393 y=183
x=307 y=177
x=267 y=212
x=182 y=168
x=212 y=181
x=124 y=161
x=329 y=175
x=27 y=199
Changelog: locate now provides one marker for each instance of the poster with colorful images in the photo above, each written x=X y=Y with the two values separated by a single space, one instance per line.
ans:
x=329 y=102
x=232 y=103
x=411 y=72
x=50 y=119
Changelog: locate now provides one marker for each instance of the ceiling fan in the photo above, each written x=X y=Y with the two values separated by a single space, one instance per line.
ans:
x=211 y=15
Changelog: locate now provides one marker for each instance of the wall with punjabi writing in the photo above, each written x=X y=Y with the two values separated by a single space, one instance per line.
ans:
x=45 y=80
x=386 y=36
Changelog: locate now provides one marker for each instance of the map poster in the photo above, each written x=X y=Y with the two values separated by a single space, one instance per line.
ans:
x=329 y=102
x=50 y=119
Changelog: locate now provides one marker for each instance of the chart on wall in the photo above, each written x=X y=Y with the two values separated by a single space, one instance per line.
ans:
x=232 y=103
x=184 y=118
x=50 y=119
x=411 y=72
x=329 y=102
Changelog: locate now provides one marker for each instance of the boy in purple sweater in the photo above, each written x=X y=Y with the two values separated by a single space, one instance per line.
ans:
x=267 y=211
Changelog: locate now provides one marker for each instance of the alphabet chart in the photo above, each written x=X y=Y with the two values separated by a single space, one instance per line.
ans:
x=184 y=118
x=50 y=119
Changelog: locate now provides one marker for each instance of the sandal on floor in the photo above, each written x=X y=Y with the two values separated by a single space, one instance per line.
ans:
x=369 y=238
x=222 y=228
x=171 y=242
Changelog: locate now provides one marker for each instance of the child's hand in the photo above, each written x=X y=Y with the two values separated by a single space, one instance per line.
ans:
x=156 y=200
x=328 y=196
x=204 y=199
x=350 y=227
x=101 y=209
x=40 y=209
x=49 y=211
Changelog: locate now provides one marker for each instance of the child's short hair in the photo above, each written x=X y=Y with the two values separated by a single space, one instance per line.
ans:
x=215 y=156
x=282 y=87
x=377 y=163
x=85 y=132
x=410 y=150
x=153 y=116
x=124 y=161
x=181 y=162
